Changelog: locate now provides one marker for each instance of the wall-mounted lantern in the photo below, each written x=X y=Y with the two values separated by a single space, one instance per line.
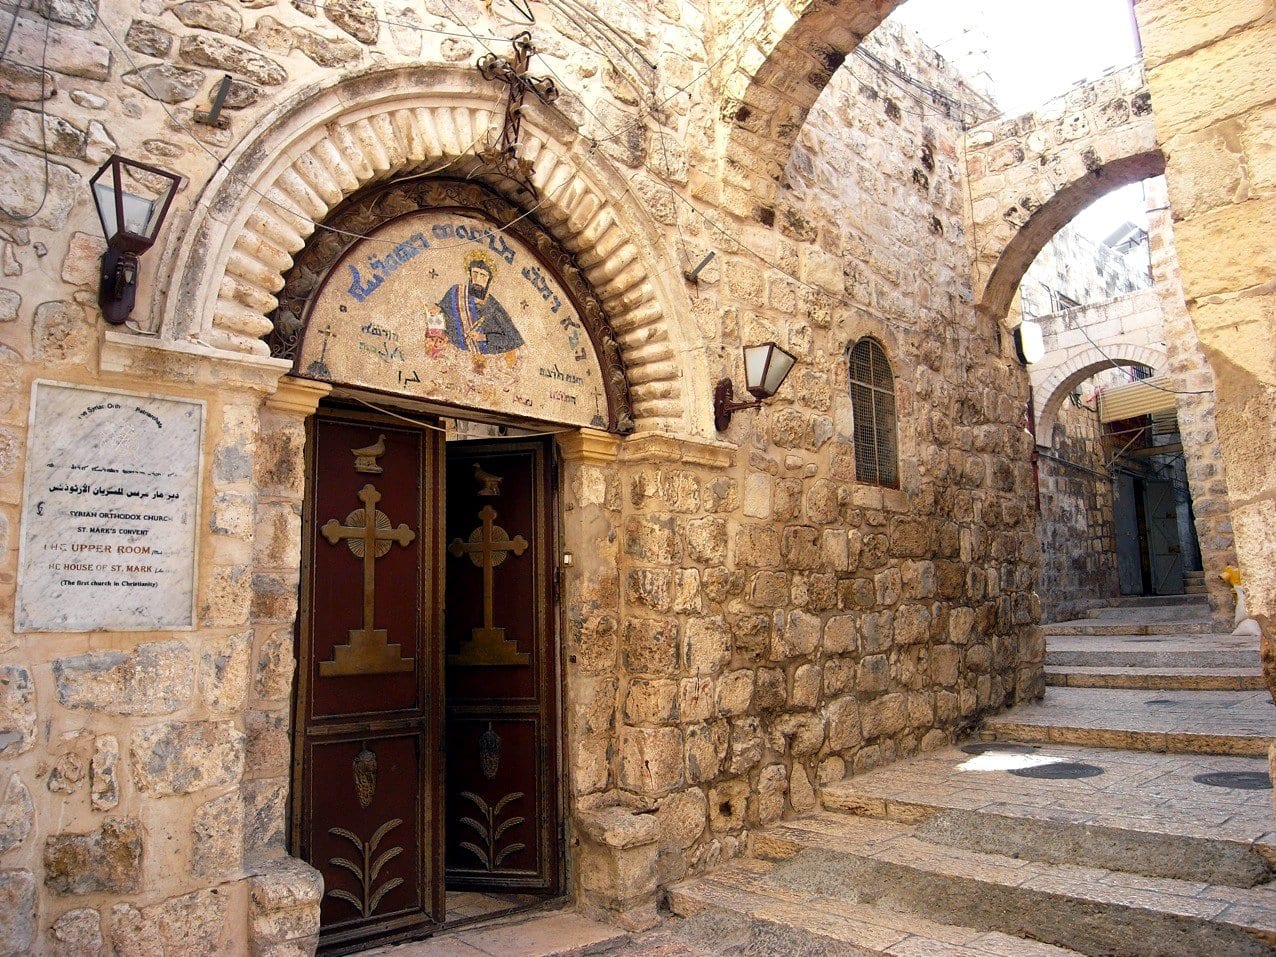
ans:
x=1030 y=342
x=132 y=200
x=765 y=368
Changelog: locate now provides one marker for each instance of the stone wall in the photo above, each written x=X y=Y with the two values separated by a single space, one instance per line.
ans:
x=1193 y=377
x=1031 y=174
x=1075 y=524
x=1214 y=76
x=744 y=621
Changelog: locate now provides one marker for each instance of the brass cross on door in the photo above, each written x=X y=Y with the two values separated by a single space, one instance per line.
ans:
x=488 y=546
x=368 y=534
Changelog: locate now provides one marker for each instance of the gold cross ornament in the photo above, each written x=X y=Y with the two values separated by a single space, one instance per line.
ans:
x=368 y=535
x=488 y=546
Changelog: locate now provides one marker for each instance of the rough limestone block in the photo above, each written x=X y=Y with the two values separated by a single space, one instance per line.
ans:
x=17 y=814
x=156 y=678
x=193 y=925
x=17 y=912
x=76 y=933
x=617 y=865
x=17 y=711
x=107 y=860
x=180 y=757
x=104 y=785
x=217 y=837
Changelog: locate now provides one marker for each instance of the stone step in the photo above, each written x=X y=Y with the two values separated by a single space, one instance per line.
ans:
x=1198 y=679
x=1163 y=613
x=1151 y=651
x=1154 y=601
x=742 y=900
x=1180 y=722
x=1194 y=577
x=1096 y=911
x=1093 y=626
x=1134 y=811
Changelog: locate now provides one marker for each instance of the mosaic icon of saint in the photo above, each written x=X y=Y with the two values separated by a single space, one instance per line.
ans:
x=472 y=318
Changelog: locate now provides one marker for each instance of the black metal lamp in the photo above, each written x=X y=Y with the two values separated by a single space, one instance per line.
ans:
x=132 y=200
x=765 y=368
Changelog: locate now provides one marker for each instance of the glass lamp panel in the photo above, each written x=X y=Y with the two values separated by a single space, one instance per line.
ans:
x=777 y=370
x=104 y=196
x=1032 y=342
x=139 y=212
x=755 y=365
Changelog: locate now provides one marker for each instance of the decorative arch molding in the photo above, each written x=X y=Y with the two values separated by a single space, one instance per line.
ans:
x=1066 y=378
x=317 y=149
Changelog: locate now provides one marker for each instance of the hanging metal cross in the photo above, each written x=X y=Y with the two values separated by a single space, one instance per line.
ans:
x=488 y=546
x=368 y=535
x=504 y=159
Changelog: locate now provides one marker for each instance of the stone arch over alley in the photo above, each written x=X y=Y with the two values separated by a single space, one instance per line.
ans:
x=1030 y=175
x=316 y=151
x=1127 y=333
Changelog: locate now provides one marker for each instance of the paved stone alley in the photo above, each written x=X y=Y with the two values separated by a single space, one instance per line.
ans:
x=1127 y=813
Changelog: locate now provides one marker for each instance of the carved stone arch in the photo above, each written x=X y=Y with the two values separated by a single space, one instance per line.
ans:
x=365 y=212
x=317 y=149
x=1066 y=378
x=778 y=72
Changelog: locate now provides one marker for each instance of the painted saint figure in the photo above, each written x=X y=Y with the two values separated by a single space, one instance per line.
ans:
x=473 y=319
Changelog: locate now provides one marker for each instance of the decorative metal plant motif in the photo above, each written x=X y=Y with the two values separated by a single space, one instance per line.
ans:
x=367 y=874
x=365 y=776
x=490 y=831
x=489 y=752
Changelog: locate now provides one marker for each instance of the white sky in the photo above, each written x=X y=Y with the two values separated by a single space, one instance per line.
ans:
x=1033 y=51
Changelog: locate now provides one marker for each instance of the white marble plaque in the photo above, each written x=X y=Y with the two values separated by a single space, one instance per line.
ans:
x=109 y=511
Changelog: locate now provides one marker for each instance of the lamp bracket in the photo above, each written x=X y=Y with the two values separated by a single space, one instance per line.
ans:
x=118 y=290
x=723 y=406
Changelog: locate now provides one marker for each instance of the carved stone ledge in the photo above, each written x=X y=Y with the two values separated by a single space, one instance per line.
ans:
x=148 y=359
x=658 y=447
x=589 y=446
x=298 y=396
x=617 y=866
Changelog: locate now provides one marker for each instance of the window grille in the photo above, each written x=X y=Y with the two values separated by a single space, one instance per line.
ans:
x=873 y=405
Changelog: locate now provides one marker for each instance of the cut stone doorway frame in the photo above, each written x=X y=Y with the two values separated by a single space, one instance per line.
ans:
x=602 y=844
x=406 y=417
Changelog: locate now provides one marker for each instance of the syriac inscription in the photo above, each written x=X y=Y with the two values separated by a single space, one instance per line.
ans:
x=448 y=307
x=110 y=510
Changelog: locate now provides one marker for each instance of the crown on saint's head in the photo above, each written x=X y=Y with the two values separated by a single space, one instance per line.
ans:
x=478 y=257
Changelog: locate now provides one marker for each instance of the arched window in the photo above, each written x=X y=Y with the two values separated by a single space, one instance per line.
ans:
x=873 y=404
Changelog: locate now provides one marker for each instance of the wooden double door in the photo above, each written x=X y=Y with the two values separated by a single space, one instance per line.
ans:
x=425 y=732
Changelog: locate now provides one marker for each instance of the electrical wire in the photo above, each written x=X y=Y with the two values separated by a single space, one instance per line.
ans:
x=735 y=242
x=430 y=425
x=1118 y=366
x=321 y=226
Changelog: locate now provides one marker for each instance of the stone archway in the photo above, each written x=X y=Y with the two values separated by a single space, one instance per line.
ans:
x=778 y=72
x=1030 y=176
x=317 y=149
x=1081 y=367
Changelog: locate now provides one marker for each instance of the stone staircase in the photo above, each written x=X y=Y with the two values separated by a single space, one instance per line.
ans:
x=1126 y=817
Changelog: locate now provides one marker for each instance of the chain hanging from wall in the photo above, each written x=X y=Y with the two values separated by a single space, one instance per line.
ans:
x=503 y=158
